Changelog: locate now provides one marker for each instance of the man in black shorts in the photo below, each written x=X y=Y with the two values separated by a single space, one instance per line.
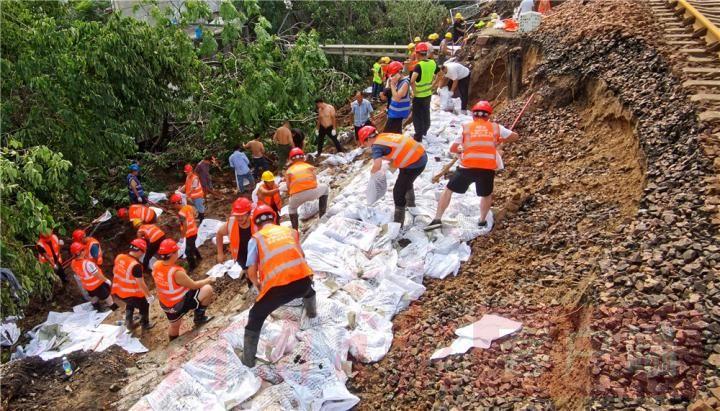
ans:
x=177 y=292
x=478 y=149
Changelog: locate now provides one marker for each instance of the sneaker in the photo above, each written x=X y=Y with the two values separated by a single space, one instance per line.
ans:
x=483 y=224
x=434 y=224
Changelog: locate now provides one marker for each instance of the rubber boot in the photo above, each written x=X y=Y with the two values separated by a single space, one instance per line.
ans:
x=200 y=317
x=129 y=320
x=323 y=205
x=250 y=343
x=310 y=304
x=410 y=198
x=295 y=221
x=399 y=215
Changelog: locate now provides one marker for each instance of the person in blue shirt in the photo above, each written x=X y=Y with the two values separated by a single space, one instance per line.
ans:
x=135 y=188
x=361 y=109
x=241 y=164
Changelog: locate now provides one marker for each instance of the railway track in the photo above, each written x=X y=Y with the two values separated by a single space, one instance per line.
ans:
x=691 y=29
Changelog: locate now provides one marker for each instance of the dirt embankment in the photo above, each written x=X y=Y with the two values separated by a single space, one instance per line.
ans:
x=605 y=252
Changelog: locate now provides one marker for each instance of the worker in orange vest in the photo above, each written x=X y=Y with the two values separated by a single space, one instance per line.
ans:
x=194 y=191
x=268 y=192
x=129 y=285
x=188 y=229
x=277 y=267
x=48 y=249
x=403 y=153
x=139 y=212
x=238 y=228
x=153 y=235
x=91 y=277
x=302 y=185
x=478 y=147
x=94 y=251
x=177 y=292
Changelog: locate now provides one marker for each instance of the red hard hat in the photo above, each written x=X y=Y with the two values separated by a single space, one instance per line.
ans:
x=482 y=105
x=422 y=47
x=366 y=132
x=139 y=243
x=168 y=246
x=123 y=212
x=263 y=213
x=78 y=235
x=394 y=67
x=241 y=206
x=187 y=168
x=76 y=248
x=296 y=152
x=176 y=198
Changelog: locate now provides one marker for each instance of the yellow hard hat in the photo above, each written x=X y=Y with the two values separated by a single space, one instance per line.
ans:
x=433 y=36
x=411 y=46
x=136 y=222
x=268 y=176
x=448 y=35
x=458 y=16
x=385 y=60
x=417 y=39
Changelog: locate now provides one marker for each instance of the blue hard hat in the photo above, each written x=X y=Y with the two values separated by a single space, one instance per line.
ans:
x=134 y=167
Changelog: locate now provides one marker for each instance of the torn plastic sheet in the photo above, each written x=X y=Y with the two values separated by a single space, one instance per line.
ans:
x=479 y=334
x=219 y=370
x=9 y=334
x=82 y=329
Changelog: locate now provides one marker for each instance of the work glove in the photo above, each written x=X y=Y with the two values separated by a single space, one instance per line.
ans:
x=317 y=132
x=108 y=282
x=150 y=299
x=334 y=133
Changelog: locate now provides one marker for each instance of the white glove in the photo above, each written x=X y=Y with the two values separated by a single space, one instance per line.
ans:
x=108 y=282
x=150 y=299
x=333 y=133
x=317 y=132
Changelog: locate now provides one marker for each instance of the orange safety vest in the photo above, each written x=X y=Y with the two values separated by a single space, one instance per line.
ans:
x=125 y=285
x=88 y=280
x=90 y=242
x=270 y=200
x=300 y=177
x=234 y=234
x=479 y=139
x=151 y=232
x=191 y=228
x=141 y=212
x=169 y=292
x=51 y=247
x=404 y=151
x=281 y=260
x=193 y=193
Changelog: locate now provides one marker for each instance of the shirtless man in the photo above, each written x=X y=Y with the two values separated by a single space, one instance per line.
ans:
x=284 y=141
x=326 y=126
x=258 y=160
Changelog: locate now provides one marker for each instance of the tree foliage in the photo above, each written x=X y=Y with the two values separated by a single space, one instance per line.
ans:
x=81 y=86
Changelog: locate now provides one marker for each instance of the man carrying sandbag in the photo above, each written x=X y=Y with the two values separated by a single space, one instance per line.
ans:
x=302 y=186
x=403 y=153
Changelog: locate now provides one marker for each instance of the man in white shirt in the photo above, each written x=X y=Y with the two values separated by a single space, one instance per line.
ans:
x=457 y=77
